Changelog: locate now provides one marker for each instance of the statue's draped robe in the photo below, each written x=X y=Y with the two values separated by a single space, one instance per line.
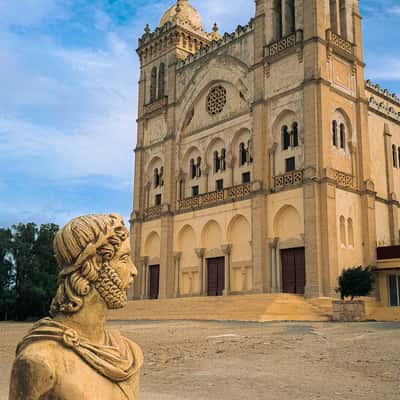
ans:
x=118 y=359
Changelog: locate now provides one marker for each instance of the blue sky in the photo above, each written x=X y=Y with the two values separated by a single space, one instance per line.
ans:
x=68 y=96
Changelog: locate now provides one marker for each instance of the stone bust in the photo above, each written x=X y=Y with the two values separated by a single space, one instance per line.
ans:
x=71 y=355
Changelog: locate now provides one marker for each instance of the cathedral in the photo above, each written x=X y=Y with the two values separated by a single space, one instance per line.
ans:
x=265 y=161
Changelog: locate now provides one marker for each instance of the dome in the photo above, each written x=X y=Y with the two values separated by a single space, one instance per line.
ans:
x=186 y=15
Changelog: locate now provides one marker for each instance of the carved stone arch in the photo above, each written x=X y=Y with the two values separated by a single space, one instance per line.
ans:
x=211 y=235
x=346 y=119
x=185 y=232
x=152 y=247
x=210 y=74
x=287 y=223
x=286 y=117
x=154 y=161
x=209 y=150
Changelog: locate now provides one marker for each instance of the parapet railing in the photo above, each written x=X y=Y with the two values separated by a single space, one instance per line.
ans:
x=233 y=193
x=339 y=42
x=153 y=212
x=286 y=42
x=288 y=179
x=344 y=179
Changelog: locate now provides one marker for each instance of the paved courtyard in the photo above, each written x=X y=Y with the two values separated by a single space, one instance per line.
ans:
x=270 y=361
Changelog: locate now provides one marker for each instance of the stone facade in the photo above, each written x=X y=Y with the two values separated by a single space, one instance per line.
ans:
x=258 y=142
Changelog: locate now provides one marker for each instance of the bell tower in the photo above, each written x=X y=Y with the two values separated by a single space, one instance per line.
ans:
x=179 y=34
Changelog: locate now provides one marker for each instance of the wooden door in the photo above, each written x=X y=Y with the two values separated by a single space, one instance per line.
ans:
x=216 y=276
x=154 y=280
x=293 y=270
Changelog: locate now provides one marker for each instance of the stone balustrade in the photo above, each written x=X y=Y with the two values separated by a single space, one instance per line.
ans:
x=288 y=179
x=153 y=212
x=340 y=43
x=343 y=179
x=281 y=45
x=204 y=200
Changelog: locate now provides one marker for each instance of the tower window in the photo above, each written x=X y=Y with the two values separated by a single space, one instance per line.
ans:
x=198 y=167
x=246 y=177
x=342 y=136
x=295 y=134
x=342 y=223
x=192 y=169
x=219 y=185
x=333 y=8
x=394 y=155
x=290 y=164
x=217 y=163
x=285 y=138
x=161 y=81
x=195 y=191
x=242 y=154
x=153 y=84
x=334 y=133
x=158 y=199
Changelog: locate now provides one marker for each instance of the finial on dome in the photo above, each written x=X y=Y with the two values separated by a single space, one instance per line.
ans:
x=215 y=27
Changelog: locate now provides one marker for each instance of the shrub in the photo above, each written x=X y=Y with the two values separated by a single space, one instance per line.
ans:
x=355 y=282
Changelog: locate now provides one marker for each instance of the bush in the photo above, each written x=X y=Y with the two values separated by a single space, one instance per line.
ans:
x=355 y=282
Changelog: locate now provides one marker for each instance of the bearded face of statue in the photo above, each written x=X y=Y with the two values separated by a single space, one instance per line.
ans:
x=115 y=277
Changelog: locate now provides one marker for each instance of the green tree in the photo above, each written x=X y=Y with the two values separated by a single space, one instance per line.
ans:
x=355 y=282
x=28 y=274
x=7 y=292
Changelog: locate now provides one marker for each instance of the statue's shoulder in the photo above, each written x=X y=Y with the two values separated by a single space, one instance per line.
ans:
x=124 y=341
x=35 y=363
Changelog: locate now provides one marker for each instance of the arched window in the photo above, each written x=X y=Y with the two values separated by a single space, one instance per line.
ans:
x=198 y=167
x=153 y=84
x=223 y=160
x=398 y=152
x=161 y=81
x=161 y=176
x=295 y=133
x=342 y=231
x=156 y=178
x=334 y=133
x=394 y=154
x=343 y=18
x=192 y=169
x=217 y=165
x=290 y=16
x=242 y=154
x=350 y=231
x=285 y=138
x=333 y=8
x=278 y=18
x=342 y=136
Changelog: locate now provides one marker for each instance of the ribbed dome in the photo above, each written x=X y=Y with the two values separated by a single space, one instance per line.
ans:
x=187 y=14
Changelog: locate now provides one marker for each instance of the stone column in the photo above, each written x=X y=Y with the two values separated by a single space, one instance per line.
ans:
x=202 y=279
x=177 y=257
x=226 y=249
x=274 y=273
x=272 y=168
x=204 y=180
x=145 y=277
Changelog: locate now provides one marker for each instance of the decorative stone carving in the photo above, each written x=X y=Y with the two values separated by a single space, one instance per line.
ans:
x=71 y=355
x=216 y=100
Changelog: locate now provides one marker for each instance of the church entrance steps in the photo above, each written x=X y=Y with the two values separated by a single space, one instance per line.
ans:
x=255 y=307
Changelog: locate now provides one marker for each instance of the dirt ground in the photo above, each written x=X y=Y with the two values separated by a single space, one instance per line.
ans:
x=269 y=361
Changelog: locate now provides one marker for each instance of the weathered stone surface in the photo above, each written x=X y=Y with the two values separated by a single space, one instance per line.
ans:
x=71 y=355
x=348 y=311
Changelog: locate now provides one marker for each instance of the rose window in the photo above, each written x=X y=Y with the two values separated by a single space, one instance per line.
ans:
x=216 y=100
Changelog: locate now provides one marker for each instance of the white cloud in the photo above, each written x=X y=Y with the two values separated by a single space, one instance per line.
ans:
x=31 y=12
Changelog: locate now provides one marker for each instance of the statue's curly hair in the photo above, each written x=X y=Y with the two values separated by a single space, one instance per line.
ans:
x=83 y=249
